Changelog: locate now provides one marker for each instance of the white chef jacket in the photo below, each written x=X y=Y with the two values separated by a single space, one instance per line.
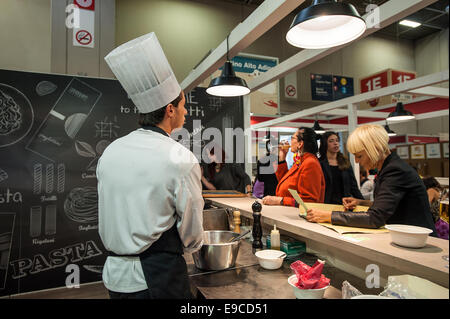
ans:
x=146 y=183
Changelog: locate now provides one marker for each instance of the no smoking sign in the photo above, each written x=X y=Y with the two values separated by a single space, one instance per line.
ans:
x=291 y=90
x=83 y=37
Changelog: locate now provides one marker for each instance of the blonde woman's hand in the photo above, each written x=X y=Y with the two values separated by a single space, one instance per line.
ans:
x=350 y=202
x=318 y=216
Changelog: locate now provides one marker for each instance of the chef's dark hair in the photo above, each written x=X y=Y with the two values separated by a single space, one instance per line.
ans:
x=156 y=117
x=309 y=139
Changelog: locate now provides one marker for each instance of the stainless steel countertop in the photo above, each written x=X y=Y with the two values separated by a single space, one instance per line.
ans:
x=248 y=280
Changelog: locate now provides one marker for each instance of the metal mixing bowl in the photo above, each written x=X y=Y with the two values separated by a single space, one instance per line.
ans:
x=217 y=253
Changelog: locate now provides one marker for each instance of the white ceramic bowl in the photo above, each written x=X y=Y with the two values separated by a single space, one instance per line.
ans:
x=409 y=236
x=269 y=258
x=306 y=293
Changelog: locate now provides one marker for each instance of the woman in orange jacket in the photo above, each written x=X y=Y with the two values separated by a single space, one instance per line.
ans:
x=305 y=176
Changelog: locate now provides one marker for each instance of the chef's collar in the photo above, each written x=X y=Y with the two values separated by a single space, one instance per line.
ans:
x=155 y=129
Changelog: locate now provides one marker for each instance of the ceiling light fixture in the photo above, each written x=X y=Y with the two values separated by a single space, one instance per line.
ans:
x=389 y=131
x=228 y=84
x=400 y=114
x=317 y=128
x=325 y=24
x=409 y=23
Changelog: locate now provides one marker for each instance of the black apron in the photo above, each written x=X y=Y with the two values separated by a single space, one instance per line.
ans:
x=164 y=267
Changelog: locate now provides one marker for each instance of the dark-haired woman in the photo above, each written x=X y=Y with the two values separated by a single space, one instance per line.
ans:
x=340 y=180
x=224 y=176
x=305 y=176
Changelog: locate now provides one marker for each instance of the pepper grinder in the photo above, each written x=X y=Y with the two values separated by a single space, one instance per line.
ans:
x=257 y=229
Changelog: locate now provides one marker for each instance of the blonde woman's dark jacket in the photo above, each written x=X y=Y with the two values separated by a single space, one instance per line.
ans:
x=400 y=197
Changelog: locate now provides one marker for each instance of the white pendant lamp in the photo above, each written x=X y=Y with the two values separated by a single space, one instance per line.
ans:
x=228 y=84
x=325 y=24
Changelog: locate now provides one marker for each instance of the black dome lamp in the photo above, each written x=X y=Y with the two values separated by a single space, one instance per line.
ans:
x=325 y=24
x=400 y=114
x=317 y=128
x=389 y=131
x=228 y=84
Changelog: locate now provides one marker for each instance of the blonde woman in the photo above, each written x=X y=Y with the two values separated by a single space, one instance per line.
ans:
x=400 y=196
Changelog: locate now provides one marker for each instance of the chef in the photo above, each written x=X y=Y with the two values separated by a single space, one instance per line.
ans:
x=150 y=193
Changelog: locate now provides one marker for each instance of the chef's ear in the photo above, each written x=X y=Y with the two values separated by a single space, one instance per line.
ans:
x=170 y=110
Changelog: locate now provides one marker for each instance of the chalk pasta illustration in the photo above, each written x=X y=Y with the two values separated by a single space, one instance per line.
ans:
x=49 y=178
x=61 y=178
x=10 y=114
x=67 y=116
x=35 y=221
x=16 y=115
x=86 y=150
x=45 y=88
x=37 y=178
x=81 y=205
x=50 y=220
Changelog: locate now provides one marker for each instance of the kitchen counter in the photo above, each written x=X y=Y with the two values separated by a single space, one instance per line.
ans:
x=354 y=253
x=248 y=280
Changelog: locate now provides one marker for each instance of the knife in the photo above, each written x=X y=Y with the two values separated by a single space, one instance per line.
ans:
x=299 y=201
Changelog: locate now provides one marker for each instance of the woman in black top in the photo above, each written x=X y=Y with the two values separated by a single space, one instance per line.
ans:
x=340 y=180
x=399 y=196
x=224 y=176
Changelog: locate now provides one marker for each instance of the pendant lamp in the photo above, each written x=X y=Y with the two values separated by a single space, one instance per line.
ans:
x=325 y=24
x=389 y=131
x=400 y=114
x=228 y=84
x=317 y=128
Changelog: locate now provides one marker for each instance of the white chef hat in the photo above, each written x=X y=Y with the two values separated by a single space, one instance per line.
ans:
x=144 y=72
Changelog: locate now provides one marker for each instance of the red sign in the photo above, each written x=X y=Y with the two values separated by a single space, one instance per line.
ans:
x=400 y=76
x=374 y=82
x=423 y=139
x=85 y=4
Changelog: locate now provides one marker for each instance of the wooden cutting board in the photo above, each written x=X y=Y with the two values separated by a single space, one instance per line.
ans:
x=222 y=193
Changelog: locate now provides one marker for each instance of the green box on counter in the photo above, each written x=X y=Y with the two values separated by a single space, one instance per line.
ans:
x=289 y=245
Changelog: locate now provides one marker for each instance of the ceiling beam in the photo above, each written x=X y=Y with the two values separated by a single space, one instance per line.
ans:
x=261 y=20
x=389 y=13
x=420 y=82
x=344 y=128
x=361 y=113
x=431 y=91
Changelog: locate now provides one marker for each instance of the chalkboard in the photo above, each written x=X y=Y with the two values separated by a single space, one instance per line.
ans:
x=53 y=129
x=207 y=113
